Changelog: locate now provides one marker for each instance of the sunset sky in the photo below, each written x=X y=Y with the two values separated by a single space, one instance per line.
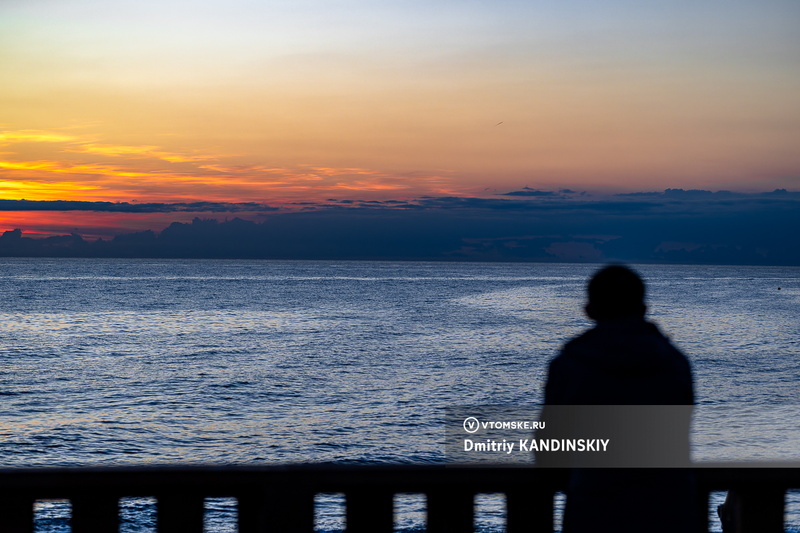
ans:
x=288 y=101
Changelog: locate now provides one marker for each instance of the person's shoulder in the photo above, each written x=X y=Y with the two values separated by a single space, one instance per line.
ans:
x=669 y=353
x=655 y=331
x=587 y=338
x=573 y=351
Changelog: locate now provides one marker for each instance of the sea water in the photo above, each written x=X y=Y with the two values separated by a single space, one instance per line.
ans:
x=142 y=362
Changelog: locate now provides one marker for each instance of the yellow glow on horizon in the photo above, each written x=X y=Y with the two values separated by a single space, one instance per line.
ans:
x=16 y=190
x=88 y=164
x=20 y=185
x=61 y=168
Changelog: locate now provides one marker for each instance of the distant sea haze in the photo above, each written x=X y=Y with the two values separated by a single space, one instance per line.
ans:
x=143 y=361
x=674 y=227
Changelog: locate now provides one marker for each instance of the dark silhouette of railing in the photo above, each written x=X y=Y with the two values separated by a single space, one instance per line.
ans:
x=281 y=498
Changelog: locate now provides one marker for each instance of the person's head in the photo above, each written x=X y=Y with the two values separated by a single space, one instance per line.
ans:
x=615 y=291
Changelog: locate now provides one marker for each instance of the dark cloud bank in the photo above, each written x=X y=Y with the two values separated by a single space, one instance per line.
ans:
x=674 y=226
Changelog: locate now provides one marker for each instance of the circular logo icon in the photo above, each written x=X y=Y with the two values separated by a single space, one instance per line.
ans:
x=471 y=425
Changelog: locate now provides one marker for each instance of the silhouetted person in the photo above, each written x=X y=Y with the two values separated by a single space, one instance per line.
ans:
x=625 y=361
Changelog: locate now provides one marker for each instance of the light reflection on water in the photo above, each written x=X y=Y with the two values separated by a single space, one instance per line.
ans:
x=149 y=361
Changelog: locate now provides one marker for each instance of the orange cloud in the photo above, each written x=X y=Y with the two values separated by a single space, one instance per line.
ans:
x=80 y=167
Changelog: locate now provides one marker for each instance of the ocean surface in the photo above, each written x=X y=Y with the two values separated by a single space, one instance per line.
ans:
x=142 y=362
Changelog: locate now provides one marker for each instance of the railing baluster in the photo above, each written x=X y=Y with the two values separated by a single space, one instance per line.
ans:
x=759 y=509
x=529 y=510
x=702 y=505
x=16 y=514
x=370 y=511
x=290 y=511
x=179 y=513
x=252 y=512
x=95 y=514
x=450 y=510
